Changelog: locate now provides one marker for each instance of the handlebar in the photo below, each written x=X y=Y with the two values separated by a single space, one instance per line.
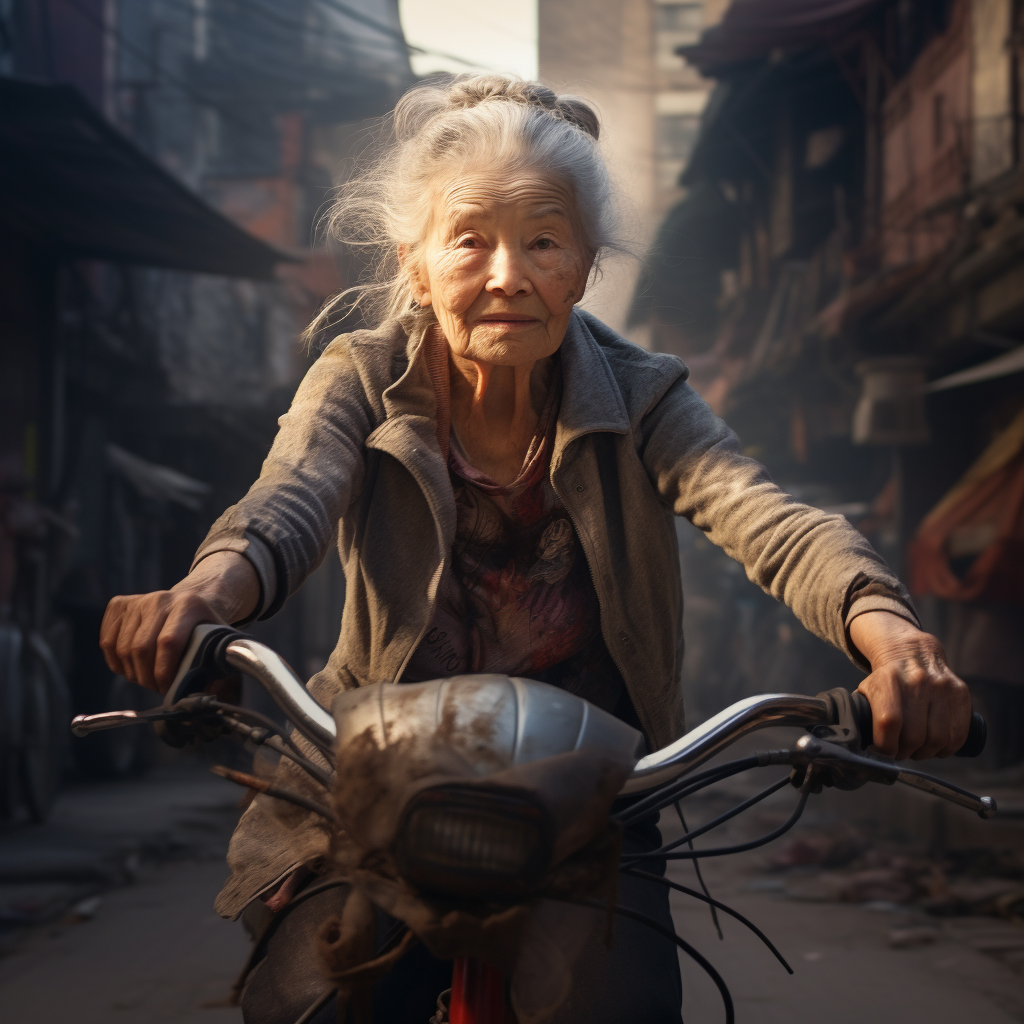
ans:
x=215 y=650
x=719 y=732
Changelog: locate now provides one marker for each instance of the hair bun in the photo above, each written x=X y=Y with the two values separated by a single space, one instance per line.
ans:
x=471 y=90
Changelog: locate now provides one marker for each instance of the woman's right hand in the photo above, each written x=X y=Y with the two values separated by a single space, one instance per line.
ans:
x=143 y=636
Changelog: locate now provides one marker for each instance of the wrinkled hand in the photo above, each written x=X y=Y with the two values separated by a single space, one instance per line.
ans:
x=919 y=707
x=143 y=636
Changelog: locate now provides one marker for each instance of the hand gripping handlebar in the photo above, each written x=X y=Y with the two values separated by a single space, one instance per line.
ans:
x=216 y=650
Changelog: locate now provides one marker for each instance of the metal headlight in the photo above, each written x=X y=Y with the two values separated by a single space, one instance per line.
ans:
x=464 y=842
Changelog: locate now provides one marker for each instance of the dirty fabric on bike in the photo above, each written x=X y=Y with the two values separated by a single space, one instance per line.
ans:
x=636 y=979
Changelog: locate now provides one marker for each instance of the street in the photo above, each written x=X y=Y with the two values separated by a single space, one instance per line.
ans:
x=845 y=970
x=153 y=950
x=114 y=900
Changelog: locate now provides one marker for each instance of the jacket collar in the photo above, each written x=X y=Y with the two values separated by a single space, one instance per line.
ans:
x=413 y=394
x=591 y=398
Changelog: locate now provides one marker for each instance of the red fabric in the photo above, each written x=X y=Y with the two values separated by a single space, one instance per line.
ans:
x=994 y=503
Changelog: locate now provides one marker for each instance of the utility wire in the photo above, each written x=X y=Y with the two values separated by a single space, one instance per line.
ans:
x=394 y=33
x=159 y=71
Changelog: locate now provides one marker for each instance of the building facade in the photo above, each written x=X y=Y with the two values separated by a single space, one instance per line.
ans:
x=844 y=280
x=620 y=55
x=149 y=376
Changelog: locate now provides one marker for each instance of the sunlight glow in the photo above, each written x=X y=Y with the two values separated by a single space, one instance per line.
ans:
x=498 y=36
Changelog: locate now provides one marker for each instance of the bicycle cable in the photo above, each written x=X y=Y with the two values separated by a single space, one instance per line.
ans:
x=662 y=880
x=724 y=851
x=277 y=744
x=668 y=933
x=264 y=720
x=714 y=823
x=275 y=792
x=680 y=788
x=700 y=876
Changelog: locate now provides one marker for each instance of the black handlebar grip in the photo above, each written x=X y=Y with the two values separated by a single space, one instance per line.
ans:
x=976 y=737
x=977 y=734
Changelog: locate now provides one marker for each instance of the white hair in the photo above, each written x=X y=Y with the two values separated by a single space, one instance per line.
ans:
x=435 y=132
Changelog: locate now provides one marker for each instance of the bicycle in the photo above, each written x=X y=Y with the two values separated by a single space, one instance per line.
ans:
x=34 y=698
x=479 y=792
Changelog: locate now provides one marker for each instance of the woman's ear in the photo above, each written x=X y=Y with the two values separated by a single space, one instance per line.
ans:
x=414 y=272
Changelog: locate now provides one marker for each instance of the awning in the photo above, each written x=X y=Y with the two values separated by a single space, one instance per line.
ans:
x=992 y=369
x=752 y=29
x=72 y=182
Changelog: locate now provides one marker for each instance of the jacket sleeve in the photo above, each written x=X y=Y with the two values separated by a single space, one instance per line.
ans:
x=286 y=522
x=815 y=562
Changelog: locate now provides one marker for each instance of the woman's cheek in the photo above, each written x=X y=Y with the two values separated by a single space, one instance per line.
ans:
x=566 y=281
x=456 y=281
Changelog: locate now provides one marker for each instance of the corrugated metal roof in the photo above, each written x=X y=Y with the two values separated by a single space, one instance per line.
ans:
x=73 y=182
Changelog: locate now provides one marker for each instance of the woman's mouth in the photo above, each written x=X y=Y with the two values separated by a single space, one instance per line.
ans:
x=509 y=320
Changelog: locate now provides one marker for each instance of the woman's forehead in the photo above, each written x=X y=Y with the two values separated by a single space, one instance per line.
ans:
x=530 y=192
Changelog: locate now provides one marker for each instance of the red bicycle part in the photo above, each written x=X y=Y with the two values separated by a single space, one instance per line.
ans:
x=478 y=993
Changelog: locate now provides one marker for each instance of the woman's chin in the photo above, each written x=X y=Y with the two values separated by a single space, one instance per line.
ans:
x=515 y=347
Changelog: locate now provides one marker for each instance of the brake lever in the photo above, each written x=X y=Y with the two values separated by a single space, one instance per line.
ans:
x=199 y=711
x=843 y=763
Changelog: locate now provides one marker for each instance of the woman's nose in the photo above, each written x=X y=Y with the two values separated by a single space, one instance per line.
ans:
x=509 y=272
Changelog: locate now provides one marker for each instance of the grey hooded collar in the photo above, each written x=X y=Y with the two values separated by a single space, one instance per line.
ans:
x=591 y=398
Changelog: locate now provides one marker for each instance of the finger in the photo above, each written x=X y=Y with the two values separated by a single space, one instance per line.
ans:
x=939 y=728
x=110 y=627
x=914 y=681
x=882 y=691
x=957 y=699
x=125 y=636
x=177 y=629
x=153 y=613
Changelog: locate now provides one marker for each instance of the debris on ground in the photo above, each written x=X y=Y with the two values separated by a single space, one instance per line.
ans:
x=975 y=895
x=907 y=938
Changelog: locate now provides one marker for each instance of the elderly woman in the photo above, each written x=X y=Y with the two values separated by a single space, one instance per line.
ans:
x=500 y=472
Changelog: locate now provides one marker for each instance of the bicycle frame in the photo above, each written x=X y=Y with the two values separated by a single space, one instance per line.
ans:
x=478 y=993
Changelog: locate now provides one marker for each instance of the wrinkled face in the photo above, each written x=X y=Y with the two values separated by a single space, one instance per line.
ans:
x=502 y=266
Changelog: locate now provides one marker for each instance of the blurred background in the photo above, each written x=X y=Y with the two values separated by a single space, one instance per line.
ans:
x=826 y=200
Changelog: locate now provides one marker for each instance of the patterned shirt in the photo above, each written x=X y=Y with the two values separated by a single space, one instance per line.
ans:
x=518 y=598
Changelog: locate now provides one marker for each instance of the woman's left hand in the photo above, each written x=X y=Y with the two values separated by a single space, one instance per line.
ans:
x=920 y=708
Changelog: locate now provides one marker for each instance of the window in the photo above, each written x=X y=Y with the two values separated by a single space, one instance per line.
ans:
x=688 y=18
x=675 y=137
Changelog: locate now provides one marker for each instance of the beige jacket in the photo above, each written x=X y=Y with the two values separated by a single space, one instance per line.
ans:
x=357 y=460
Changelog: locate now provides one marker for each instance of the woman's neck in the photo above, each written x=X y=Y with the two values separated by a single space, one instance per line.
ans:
x=495 y=410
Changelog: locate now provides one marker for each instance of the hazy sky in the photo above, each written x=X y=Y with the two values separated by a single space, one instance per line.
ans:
x=499 y=34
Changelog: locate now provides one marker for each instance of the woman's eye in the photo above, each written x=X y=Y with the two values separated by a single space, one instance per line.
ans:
x=545 y=243
x=467 y=243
